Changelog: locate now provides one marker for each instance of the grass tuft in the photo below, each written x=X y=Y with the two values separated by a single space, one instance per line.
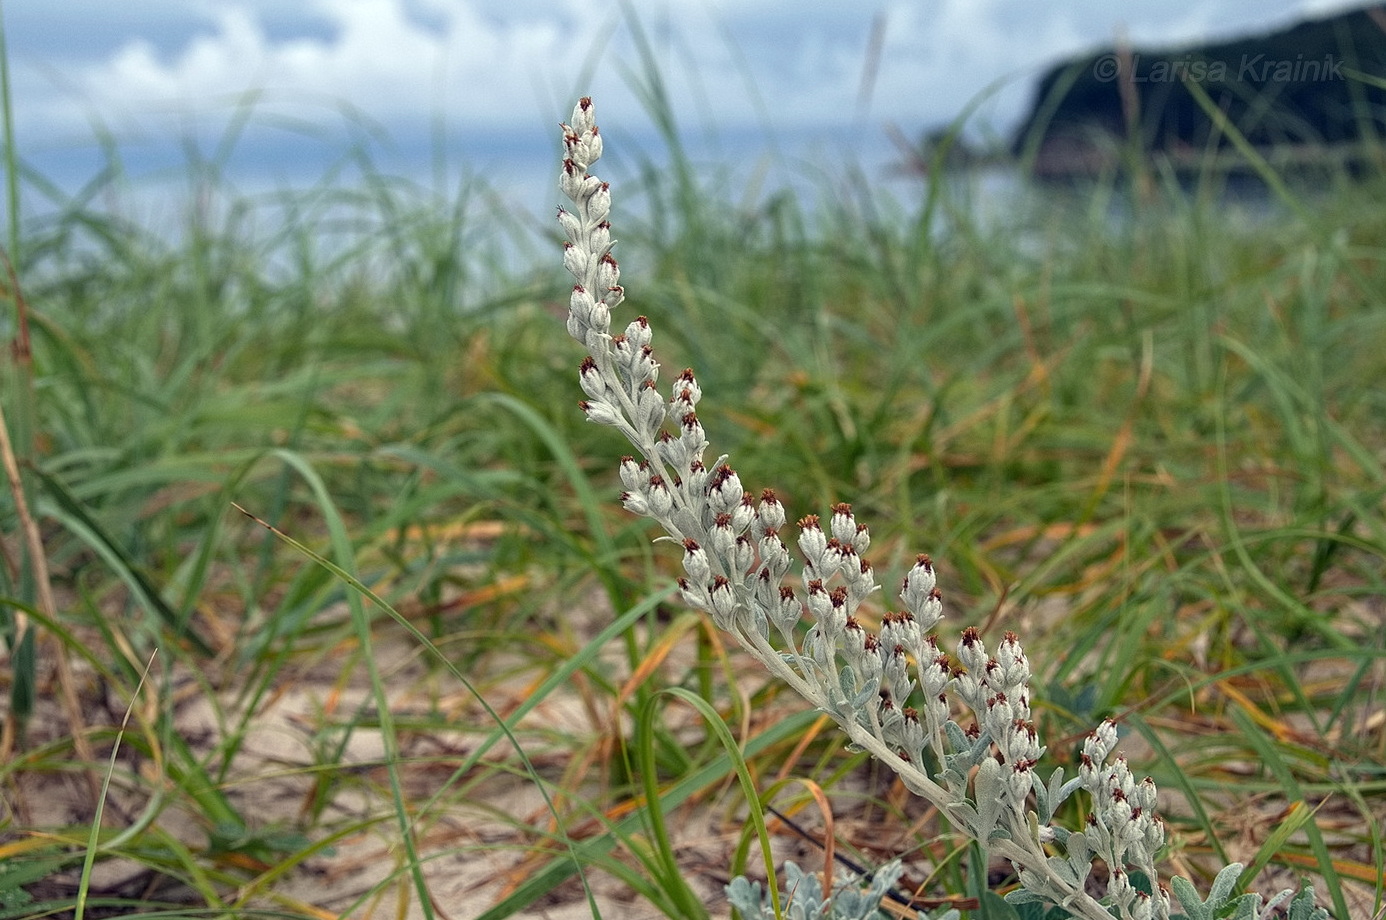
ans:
x=1150 y=440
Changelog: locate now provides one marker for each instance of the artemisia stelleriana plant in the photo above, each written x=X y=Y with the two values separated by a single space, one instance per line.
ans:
x=895 y=693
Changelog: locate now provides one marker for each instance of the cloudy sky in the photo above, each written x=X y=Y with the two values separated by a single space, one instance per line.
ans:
x=491 y=77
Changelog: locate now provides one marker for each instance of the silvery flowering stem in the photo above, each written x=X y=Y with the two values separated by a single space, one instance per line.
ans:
x=735 y=562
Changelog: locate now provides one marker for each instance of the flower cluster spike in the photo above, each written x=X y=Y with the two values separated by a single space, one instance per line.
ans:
x=892 y=691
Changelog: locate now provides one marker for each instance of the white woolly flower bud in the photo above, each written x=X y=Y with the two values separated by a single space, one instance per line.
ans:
x=724 y=491
x=854 y=642
x=1154 y=834
x=659 y=497
x=695 y=562
x=693 y=436
x=599 y=238
x=695 y=595
x=635 y=503
x=819 y=601
x=829 y=609
x=998 y=718
x=583 y=189
x=599 y=205
x=895 y=670
x=1019 y=782
x=638 y=333
x=608 y=273
x=1014 y=667
x=1144 y=795
x=920 y=594
x=934 y=675
x=722 y=536
x=764 y=589
x=580 y=304
x=869 y=668
x=845 y=529
x=589 y=147
x=833 y=561
x=743 y=514
x=684 y=395
x=774 y=555
x=584 y=117
x=787 y=611
x=972 y=652
x=599 y=318
x=1121 y=778
x=583 y=144
x=860 y=578
x=577 y=260
x=644 y=370
x=613 y=296
x=575 y=183
x=919 y=581
x=590 y=379
x=695 y=482
x=936 y=711
x=723 y=602
x=972 y=691
x=572 y=227
x=912 y=735
x=900 y=629
x=649 y=408
x=861 y=540
x=743 y=555
x=769 y=514
x=634 y=475
x=813 y=543
x=1022 y=743
x=1100 y=742
x=931 y=611
x=601 y=412
x=842 y=524
x=673 y=451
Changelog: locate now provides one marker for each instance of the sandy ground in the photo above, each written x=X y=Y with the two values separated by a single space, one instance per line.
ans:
x=296 y=767
x=476 y=839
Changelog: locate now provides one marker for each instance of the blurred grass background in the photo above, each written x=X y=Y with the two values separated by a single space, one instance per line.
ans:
x=1144 y=429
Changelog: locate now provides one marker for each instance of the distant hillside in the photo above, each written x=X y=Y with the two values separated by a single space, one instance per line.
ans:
x=1297 y=91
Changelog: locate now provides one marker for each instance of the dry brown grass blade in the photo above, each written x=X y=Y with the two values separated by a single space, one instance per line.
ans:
x=21 y=352
x=67 y=689
x=829 y=841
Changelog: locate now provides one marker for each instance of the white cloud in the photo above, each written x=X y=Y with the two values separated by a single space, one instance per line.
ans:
x=513 y=65
x=371 y=54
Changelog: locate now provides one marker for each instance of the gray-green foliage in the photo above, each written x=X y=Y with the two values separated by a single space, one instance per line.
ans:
x=804 y=898
x=1250 y=906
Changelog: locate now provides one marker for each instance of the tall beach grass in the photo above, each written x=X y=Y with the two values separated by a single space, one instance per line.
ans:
x=422 y=672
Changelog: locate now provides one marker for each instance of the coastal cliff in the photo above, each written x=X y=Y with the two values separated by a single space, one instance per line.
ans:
x=1313 y=92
